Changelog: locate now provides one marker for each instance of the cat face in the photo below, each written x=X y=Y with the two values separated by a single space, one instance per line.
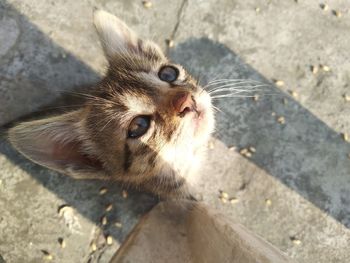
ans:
x=145 y=124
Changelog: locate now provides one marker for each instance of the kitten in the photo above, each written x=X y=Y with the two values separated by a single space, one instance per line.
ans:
x=145 y=124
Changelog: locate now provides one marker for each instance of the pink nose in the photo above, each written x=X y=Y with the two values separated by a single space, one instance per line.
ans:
x=183 y=103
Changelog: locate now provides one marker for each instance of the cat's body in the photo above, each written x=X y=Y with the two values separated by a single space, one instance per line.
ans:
x=146 y=124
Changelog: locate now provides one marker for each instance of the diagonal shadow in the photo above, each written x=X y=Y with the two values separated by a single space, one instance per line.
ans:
x=304 y=153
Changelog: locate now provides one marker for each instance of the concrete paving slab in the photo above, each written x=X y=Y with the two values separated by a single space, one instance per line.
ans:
x=294 y=191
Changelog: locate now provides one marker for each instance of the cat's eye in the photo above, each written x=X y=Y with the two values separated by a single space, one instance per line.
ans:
x=139 y=126
x=168 y=73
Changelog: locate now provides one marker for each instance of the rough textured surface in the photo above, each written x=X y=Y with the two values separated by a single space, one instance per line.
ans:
x=33 y=218
x=294 y=191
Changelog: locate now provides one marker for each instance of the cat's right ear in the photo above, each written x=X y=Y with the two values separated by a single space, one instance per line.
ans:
x=117 y=38
x=58 y=143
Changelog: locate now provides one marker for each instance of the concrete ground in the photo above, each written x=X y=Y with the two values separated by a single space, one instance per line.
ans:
x=294 y=190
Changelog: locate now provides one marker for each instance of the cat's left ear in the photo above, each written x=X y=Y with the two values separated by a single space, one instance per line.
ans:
x=117 y=38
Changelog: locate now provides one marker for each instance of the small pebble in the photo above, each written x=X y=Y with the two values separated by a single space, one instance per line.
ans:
x=273 y=114
x=232 y=148
x=337 y=13
x=147 y=4
x=109 y=240
x=325 y=68
x=64 y=209
x=294 y=94
x=211 y=145
x=243 y=151
x=124 y=194
x=248 y=154
x=346 y=137
x=281 y=120
x=256 y=97
x=104 y=220
x=224 y=200
x=47 y=255
x=93 y=246
x=252 y=149
x=279 y=83
x=62 y=242
x=295 y=241
x=169 y=42
x=314 y=69
x=223 y=194
x=109 y=207
x=346 y=97
x=324 y=7
x=118 y=224
x=257 y=9
x=233 y=200
x=103 y=190
x=268 y=202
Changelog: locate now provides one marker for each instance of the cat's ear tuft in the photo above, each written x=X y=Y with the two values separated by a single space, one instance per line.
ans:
x=58 y=143
x=115 y=35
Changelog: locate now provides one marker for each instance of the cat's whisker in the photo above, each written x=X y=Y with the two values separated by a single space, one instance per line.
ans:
x=230 y=94
x=240 y=96
x=103 y=118
x=239 y=88
x=216 y=108
x=240 y=91
x=218 y=85
x=108 y=122
x=231 y=81
x=84 y=95
x=73 y=106
x=62 y=107
x=238 y=84
x=96 y=98
x=213 y=86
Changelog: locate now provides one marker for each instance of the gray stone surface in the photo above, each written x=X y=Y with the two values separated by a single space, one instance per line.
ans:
x=296 y=185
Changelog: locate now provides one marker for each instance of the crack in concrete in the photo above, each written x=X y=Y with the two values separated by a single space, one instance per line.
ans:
x=178 y=21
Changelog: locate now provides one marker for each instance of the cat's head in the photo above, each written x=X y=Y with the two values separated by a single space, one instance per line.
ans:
x=145 y=124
